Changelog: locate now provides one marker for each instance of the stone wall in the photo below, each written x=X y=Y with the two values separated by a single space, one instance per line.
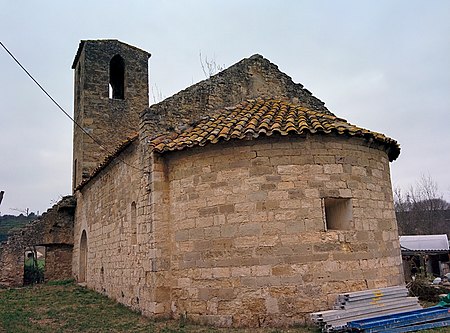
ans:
x=113 y=211
x=247 y=230
x=54 y=230
x=58 y=262
x=110 y=121
x=234 y=234
x=254 y=77
x=243 y=233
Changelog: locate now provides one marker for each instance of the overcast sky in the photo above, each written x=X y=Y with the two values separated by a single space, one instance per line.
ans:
x=382 y=65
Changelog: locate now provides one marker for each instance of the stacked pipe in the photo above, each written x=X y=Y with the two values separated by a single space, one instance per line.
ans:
x=410 y=321
x=364 y=305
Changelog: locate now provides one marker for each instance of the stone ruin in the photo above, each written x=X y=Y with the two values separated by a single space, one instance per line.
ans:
x=53 y=231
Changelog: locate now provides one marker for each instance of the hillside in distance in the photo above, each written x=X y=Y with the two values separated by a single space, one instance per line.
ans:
x=10 y=222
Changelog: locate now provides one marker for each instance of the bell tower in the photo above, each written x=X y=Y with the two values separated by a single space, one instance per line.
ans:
x=111 y=90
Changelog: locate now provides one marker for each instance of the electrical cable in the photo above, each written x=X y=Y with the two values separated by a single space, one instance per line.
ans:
x=62 y=109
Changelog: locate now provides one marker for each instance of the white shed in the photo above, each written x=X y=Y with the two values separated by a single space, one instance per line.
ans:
x=424 y=243
x=425 y=254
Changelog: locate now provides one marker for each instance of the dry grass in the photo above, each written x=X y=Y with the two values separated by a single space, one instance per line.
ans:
x=68 y=308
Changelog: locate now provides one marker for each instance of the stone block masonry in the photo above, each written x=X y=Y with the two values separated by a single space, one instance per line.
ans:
x=108 y=118
x=249 y=242
x=252 y=232
x=235 y=234
x=113 y=212
x=54 y=230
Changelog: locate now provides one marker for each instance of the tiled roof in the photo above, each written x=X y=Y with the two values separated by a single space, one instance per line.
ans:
x=253 y=118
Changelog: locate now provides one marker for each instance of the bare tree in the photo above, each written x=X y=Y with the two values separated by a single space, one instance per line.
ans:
x=424 y=196
x=55 y=201
x=210 y=66
x=400 y=202
x=421 y=209
x=157 y=95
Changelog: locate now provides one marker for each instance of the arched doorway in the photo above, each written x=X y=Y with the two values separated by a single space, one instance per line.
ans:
x=83 y=258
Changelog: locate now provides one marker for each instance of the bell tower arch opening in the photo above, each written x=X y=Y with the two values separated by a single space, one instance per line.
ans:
x=111 y=90
x=117 y=77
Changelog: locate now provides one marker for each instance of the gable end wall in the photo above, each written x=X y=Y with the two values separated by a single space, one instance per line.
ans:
x=254 y=77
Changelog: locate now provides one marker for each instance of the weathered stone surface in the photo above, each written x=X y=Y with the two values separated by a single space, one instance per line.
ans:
x=250 y=78
x=195 y=261
x=235 y=233
x=315 y=257
x=109 y=120
x=54 y=230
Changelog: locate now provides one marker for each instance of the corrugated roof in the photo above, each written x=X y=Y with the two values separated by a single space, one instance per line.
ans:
x=424 y=243
x=253 y=118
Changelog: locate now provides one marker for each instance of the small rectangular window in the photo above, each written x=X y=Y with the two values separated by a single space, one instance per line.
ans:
x=337 y=213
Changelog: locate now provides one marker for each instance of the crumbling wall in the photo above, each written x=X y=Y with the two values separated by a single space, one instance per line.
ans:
x=58 y=262
x=54 y=230
x=254 y=77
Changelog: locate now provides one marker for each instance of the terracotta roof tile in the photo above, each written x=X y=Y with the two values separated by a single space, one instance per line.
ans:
x=255 y=117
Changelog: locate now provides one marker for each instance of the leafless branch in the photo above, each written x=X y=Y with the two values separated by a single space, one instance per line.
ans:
x=157 y=95
x=210 y=67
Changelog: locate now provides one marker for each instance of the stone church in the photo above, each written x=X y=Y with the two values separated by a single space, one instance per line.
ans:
x=239 y=201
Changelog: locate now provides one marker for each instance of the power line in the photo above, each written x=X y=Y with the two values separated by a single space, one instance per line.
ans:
x=62 y=109
x=48 y=95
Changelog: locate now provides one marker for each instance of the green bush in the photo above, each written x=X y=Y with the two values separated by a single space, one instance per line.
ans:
x=33 y=272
